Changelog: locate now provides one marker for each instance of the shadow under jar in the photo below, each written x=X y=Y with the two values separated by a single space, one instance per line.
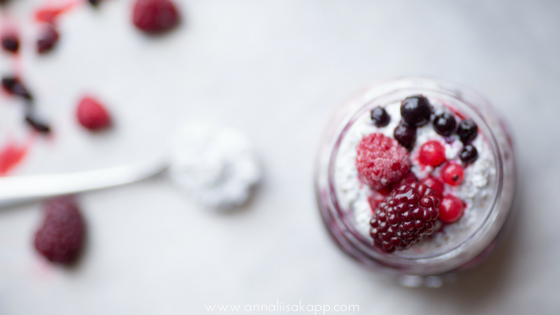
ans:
x=342 y=197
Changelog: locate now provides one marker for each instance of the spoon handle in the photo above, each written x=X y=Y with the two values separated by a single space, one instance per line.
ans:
x=17 y=189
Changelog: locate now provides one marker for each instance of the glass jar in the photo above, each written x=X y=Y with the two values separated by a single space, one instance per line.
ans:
x=475 y=242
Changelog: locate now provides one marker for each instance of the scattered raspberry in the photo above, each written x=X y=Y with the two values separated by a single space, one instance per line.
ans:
x=48 y=38
x=451 y=209
x=155 y=16
x=405 y=217
x=453 y=174
x=434 y=184
x=61 y=237
x=10 y=42
x=432 y=153
x=381 y=160
x=92 y=114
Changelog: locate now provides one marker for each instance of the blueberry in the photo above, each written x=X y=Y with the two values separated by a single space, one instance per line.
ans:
x=469 y=154
x=445 y=124
x=14 y=86
x=405 y=135
x=380 y=117
x=467 y=130
x=416 y=110
x=10 y=43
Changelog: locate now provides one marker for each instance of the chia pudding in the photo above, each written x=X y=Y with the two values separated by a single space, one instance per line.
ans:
x=416 y=176
x=475 y=190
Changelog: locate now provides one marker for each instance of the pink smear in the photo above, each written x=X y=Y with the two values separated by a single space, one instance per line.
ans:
x=10 y=156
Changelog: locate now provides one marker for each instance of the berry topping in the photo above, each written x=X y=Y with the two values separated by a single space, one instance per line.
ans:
x=380 y=117
x=451 y=209
x=61 y=236
x=10 y=42
x=37 y=125
x=432 y=153
x=381 y=160
x=374 y=200
x=469 y=154
x=47 y=39
x=434 y=184
x=13 y=86
x=155 y=16
x=445 y=124
x=92 y=114
x=405 y=135
x=452 y=174
x=467 y=130
x=409 y=178
x=405 y=217
x=416 y=110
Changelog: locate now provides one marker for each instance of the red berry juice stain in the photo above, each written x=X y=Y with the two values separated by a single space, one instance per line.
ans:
x=49 y=14
x=11 y=155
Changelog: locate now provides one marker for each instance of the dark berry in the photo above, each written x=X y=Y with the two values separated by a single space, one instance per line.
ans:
x=37 y=125
x=452 y=174
x=61 y=237
x=48 y=38
x=155 y=16
x=94 y=2
x=451 y=209
x=14 y=86
x=445 y=124
x=10 y=42
x=380 y=117
x=467 y=130
x=405 y=135
x=92 y=114
x=469 y=154
x=405 y=217
x=416 y=110
x=432 y=153
x=381 y=160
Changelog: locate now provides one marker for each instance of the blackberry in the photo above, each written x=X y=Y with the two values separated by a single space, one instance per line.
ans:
x=467 y=130
x=61 y=237
x=416 y=110
x=405 y=135
x=445 y=124
x=405 y=217
x=380 y=117
x=469 y=154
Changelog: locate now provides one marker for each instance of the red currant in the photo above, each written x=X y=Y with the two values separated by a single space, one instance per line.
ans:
x=432 y=153
x=434 y=184
x=452 y=174
x=451 y=209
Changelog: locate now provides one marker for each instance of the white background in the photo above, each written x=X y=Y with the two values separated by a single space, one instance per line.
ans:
x=275 y=70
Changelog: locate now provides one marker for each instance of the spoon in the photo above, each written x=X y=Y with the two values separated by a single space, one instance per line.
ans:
x=213 y=164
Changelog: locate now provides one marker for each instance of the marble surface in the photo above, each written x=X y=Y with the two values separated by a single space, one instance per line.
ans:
x=275 y=70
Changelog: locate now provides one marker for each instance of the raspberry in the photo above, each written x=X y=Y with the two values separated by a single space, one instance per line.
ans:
x=61 y=236
x=451 y=209
x=92 y=115
x=432 y=153
x=405 y=217
x=452 y=174
x=434 y=184
x=381 y=160
x=155 y=16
